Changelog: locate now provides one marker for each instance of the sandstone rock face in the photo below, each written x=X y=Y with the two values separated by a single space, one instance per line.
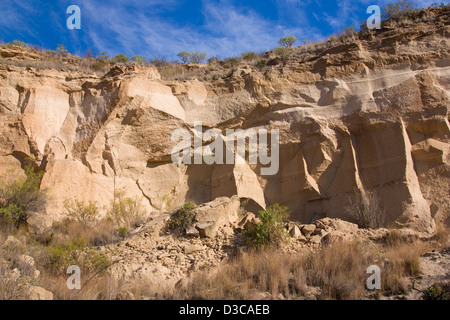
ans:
x=367 y=115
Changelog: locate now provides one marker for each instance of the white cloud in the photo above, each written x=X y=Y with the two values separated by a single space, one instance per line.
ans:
x=228 y=30
x=15 y=13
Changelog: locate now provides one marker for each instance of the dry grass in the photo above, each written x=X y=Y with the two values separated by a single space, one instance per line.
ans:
x=401 y=260
x=441 y=235
x=54 y=63
x=98 y=235
x=339 y=271
x=93 y=287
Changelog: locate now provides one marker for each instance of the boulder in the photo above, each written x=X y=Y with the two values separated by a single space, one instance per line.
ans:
x=249 y=222
x=39 y=224
x=26 y=263
x=332 y=238
x=192 y=232
x=343 y=226
x=295 y=232
x=316 y=239
x=192 y=248
x=308 y=229
x=215 y=214
x=125 y=295
x=12 y=243
x=207 y=229
x=323 y=223
x=38 y=293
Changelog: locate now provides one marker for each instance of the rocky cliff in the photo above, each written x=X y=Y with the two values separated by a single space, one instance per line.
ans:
x=369 y=113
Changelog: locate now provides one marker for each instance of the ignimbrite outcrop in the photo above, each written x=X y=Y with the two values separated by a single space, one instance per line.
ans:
x=356 y=116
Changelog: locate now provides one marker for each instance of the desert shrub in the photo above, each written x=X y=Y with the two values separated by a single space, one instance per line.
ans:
x=85 y=220
x=331 y=39
x=139 y=59
x=197 y=57
x=20 y=197
x=249 y=56
x=126 y=212
x=88 y=54
x=399 y=8
x=159 y=61
x=183 y=218
x=260 y=64
x=270 y=232
x=19 y=43
x=365 y=209
x=120 y=58
x=214 y=59
x=98 y=65
x=288 y=41
x=103 y=56
x=283 y=52
x=305 y=42
x=86 y=214
x=173 y=71
x=184 y=56
x=74 y=252
x=62 y=50
x=438 y=291
x=231 y=62
x=122 y=232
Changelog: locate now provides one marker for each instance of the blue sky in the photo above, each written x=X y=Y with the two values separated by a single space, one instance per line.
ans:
x=165 y=27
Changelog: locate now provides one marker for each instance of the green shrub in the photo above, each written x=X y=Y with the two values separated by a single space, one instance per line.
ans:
x=139 y=59
x=74 y=252
x=260 y=64
x=121 y=58
x=183 y=218
x=98 y=65
x=231 y=62
x=62 y=50
x=197 y=57
x=288 y=41
x=281 y=51
x=19 y=43
x=270 y=232
x=214 y=59
x=103 y=56
x=21 y=197
x=249 y=56
x=305 y=42
x=122 y=232
x=437 y=292
x=86 y=214
x=399 y=8
x=125 y=211
x=184 y=56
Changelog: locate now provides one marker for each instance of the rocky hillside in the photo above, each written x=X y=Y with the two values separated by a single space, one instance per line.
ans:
x=367 y=113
